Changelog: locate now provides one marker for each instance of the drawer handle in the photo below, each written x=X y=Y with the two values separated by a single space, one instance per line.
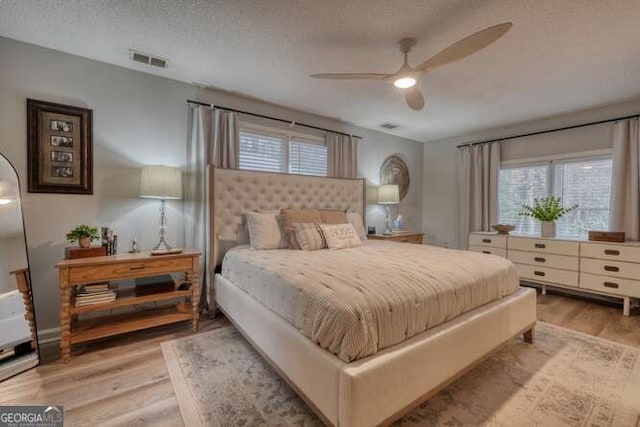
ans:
x=137 y=268
x=539 y=273
x=611 y=252
x=611 y=285
x=486 y=252
x=611 y=268
x=540 y=245
x=486 y=240
x=538 y=259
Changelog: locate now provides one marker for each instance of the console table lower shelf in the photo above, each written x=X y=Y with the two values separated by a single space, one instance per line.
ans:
x=78 y=272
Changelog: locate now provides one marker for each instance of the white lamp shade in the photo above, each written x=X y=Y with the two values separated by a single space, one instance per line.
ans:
x=388 y=194
x=161 y=182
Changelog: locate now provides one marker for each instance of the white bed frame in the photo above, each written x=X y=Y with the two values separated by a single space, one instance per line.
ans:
x=374 y=390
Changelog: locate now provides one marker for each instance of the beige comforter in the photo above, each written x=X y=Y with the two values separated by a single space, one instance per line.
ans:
x=355 y=302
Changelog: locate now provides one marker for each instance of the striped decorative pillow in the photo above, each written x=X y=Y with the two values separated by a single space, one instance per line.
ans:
x=309 y=236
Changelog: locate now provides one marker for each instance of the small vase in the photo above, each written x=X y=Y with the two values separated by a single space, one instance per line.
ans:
x=548 y=229
x=84 y=242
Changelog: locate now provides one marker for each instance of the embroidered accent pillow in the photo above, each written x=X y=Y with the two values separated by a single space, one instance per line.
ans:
x=309 y=236
x=265 y=230
x=333 y=217
x=340 y=236
x=292 y=216
x=355 y=219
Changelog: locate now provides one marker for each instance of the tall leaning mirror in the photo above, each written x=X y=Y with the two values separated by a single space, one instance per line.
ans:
x=18 y=341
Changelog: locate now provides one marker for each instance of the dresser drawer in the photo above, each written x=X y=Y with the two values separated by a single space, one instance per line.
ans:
x=545 y=260
x=610 y=285
x=547 y=246
x=548 y=275
x=612 y=252
x=610 y=268
x=488 y=239
x=489 y=250
x=130 y=269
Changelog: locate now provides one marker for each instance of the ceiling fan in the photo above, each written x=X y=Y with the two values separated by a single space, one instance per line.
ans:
x=407 y=76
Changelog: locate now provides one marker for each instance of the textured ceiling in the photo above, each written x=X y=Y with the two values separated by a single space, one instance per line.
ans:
x=560 y=56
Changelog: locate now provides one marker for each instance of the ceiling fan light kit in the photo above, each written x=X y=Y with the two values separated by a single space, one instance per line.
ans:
x=407 y=77
x=404 y=82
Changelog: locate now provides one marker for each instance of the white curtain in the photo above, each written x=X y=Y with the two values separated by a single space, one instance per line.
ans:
x=479 y=167
x=342 y=156
x=213 y=138
x=625 y=200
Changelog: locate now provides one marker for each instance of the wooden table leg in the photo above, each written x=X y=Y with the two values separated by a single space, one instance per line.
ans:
x=65 y=315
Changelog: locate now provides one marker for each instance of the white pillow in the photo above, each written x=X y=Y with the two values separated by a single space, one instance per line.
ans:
x=309 y=236
x=265 y=230
x=340 y=236
x=355 y=219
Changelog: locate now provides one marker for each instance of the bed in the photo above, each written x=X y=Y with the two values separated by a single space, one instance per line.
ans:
x=381 y=371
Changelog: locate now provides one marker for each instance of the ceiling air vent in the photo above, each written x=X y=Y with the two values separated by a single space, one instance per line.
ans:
x=145 y=58
x=388 y=126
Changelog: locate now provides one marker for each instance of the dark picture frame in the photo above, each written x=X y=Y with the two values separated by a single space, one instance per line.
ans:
x=59 y=148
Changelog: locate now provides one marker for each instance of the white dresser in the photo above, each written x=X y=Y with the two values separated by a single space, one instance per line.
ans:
x=611 y=269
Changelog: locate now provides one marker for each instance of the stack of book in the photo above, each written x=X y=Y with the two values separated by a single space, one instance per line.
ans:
x=98 y=293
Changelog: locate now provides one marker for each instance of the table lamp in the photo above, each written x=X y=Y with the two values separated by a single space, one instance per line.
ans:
x=388 y=195
x=164 y=183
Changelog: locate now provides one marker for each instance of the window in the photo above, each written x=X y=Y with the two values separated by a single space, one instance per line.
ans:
x=518 y=186
x=282 y=152
x=307 y=157
x=263 y=152
x=585 y=182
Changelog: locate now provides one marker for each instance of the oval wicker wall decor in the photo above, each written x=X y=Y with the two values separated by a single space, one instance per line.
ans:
x=395 y=171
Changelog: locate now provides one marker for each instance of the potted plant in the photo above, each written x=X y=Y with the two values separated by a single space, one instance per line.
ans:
x=83 y=234
x=547 y=210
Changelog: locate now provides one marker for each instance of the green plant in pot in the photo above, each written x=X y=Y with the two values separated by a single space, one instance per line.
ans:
x=547 y=210
x=83 y=234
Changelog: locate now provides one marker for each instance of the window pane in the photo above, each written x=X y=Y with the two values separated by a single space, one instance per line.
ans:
x=307 y=158
x=261 y=151
x=518 y=186
x=588 y=185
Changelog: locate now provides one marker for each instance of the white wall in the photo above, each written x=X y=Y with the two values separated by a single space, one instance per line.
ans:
x=373 y=149
x=440 y=186
x=138 y=119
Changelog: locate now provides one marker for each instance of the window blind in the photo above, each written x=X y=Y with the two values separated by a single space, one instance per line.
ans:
x=517 y=186
x=262 y=151
x=307 y=157
x=588 y=185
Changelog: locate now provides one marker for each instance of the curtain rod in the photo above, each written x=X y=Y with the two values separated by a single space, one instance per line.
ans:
x=469 y=144
x=189 y=101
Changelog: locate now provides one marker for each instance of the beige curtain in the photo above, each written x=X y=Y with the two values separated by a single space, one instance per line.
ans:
x=625 y=200
x=342 y=156
x=213 y=137
x=479 y=167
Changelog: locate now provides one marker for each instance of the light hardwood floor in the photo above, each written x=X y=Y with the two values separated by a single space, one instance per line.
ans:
x=123 y=381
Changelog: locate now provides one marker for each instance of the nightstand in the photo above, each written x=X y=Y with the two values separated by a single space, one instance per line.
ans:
x=403 y=236
x=76 y=272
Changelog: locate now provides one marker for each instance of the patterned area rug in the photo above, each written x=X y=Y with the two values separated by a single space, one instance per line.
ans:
x=564 y=379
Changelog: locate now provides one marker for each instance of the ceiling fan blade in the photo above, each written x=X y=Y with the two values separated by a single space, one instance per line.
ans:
x=352 y=76
x=414 y=98
x=467 y=46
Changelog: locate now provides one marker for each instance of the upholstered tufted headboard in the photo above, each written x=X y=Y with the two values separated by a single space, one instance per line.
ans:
x=234 y=192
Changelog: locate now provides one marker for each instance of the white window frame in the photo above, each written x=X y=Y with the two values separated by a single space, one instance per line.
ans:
x=287 y=134
x=551 y=161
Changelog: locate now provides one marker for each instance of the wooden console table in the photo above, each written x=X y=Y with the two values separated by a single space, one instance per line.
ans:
x=74 y=272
